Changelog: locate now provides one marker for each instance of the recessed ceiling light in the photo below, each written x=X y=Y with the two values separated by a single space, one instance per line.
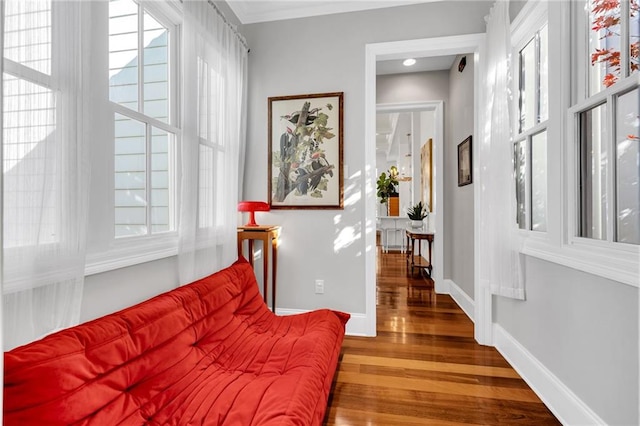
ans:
x=409 y=62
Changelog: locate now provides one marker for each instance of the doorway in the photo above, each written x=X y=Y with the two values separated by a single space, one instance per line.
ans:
x=399 y=50
x=436 y=224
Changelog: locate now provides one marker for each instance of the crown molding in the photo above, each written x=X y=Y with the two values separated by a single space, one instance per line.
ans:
x=252 y=12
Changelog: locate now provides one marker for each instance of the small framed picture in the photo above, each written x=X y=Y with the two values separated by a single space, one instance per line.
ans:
x=464 y=162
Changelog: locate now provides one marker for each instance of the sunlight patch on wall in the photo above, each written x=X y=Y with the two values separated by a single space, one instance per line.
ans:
x=352 y=192
x=345 y=238
x=352 y=199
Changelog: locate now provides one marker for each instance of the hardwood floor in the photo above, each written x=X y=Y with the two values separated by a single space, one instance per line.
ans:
x=424 y=367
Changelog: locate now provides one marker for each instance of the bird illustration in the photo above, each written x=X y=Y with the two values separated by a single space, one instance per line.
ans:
x=299 y=180
x=319 y=161
x=285 y=144
x=309 y=115
x=315 y=181
x=296 y=115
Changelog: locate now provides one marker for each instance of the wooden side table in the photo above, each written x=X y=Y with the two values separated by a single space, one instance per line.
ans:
x=268 y=234
x=417 y=261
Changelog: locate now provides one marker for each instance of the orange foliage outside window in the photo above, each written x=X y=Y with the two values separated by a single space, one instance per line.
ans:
x=606 y=17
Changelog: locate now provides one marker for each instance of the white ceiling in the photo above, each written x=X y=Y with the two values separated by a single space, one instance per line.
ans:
x=253 y=11
x=434 y=63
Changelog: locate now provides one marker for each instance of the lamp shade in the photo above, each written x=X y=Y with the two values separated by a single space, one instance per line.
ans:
x=252 y=207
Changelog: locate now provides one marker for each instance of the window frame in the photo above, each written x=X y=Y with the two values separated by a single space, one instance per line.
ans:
x=105 y=252
x=159 y=14
x=581 y=102
x=605 y=97
x=50 y=82
x=219 y=151
x=611 y=260
x=555 y=246
x=524 y=29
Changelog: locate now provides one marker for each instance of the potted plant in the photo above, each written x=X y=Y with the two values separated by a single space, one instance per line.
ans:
x=387 y=188
x=417 y=213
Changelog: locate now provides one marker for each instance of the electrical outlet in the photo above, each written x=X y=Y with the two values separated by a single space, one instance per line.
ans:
x=319 y=286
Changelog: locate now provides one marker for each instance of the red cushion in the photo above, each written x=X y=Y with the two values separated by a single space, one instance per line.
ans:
x=207 y=353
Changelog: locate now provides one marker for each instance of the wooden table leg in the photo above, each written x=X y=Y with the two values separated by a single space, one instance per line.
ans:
x=274 y=269
x=408 y=250
x=413 y=250
x=269 y=238
x=265 y=268
x=430 y=265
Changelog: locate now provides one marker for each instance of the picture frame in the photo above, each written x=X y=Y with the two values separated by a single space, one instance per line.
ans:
x=426 y=174
x=305 y=161
x=465 y=167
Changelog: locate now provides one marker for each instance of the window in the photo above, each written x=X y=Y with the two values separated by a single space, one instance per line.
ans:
x=212 y=149
x=607 y=123
x=141 y=66
x=576 y=155
x=530 y=142
x=31 y=207
x=613 y=41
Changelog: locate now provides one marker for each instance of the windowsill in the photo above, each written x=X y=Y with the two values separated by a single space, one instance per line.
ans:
x=130 y=252
x=617 y=265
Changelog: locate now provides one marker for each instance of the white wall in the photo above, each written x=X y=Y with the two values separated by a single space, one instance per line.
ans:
x=111 y=291
x=413 y=87
x=325 y=54
x=458 y=202
x=584 y=329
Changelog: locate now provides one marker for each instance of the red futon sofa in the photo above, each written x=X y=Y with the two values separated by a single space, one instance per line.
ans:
x=209 y=353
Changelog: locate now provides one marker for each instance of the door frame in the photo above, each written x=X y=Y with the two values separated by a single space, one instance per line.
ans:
x=428 y=47
x=438 y=155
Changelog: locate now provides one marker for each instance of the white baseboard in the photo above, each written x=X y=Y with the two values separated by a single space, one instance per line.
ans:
x=356 y=326
x=442 y=286
x=562 y=402
x=461 y=298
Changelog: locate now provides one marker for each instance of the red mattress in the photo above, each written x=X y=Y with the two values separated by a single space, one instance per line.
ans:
x=209 y=353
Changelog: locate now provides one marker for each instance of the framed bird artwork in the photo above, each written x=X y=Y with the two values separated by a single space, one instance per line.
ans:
x=305 y=151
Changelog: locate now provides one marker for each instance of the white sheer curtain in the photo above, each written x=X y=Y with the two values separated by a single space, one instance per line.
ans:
x=499 y=254
x=214 y=75
x=45 y=169
x=1 y=186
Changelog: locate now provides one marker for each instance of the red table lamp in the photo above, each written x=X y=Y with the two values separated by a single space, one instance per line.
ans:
x=252 y=207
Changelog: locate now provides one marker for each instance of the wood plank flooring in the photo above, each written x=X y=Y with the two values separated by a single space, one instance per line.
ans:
x=424 y=367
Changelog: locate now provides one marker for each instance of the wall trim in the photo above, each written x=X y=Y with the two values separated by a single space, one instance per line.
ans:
x=357 y=325
x=617 y=265
x=557 y=396
x=118 y=259
x=248 y=13
x=463 y=300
